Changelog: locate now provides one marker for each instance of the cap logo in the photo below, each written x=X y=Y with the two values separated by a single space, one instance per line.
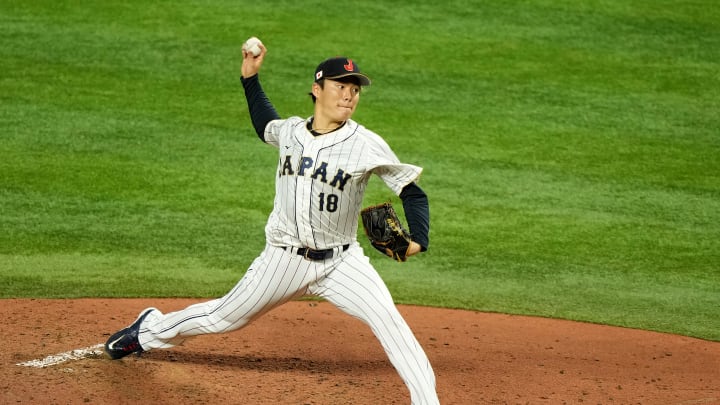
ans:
x=350 y=66
x=318 y=75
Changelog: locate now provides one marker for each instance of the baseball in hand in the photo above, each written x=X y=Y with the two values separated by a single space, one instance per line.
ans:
x=252 y=45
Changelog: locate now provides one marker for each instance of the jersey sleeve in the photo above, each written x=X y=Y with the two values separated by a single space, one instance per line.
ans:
x=388 y=167
x=271 y=135
x=278 y=129
x=398 y=175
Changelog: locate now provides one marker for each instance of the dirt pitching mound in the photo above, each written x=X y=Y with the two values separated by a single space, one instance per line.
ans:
x=311 y=353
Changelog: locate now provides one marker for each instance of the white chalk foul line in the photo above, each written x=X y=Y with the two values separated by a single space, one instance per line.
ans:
x=59 y=358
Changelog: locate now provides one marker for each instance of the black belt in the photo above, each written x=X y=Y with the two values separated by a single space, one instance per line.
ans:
x=312 y=254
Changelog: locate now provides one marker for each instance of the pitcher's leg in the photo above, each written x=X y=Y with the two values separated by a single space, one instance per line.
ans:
x=273 y=278
x=355 y=287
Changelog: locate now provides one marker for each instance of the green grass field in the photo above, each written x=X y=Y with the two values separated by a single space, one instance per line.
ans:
x=571 y=149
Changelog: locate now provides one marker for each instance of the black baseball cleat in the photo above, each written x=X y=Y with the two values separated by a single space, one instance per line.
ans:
x=125 y=341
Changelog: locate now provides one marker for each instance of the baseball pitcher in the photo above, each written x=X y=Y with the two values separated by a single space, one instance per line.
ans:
x=324 y=164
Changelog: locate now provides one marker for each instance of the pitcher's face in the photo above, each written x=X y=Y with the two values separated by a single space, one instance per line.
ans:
x=336 y=100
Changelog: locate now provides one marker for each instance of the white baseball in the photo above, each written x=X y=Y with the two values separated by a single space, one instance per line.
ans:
x=252 y=45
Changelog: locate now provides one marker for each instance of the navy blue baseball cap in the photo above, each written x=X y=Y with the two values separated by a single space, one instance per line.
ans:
x=336 y=68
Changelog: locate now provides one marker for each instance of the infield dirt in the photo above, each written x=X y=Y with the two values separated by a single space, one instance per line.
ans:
x=307 y=352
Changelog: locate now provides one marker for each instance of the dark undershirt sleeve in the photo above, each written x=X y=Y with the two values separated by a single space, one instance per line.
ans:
x=417 y=213
x=260 y=107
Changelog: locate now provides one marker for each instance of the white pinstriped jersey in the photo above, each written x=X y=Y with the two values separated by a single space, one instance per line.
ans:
x=321 y=181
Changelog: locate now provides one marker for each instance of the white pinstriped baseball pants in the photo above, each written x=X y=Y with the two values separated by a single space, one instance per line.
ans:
x=276 y=276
